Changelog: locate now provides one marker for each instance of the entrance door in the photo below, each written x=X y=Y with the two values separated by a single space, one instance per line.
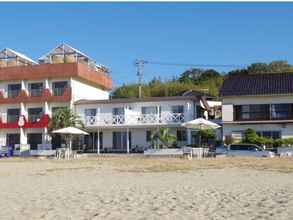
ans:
x=33 y=139
x=120 y=140
x=91 y=142
x=12 y=139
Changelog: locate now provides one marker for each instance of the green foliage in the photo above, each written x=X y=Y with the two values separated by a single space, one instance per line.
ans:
x=251 y=137
x=208 y=81
x=207 y=134
x=285 y=141
x=64 y=117
x=162 y=136
x=229 y=139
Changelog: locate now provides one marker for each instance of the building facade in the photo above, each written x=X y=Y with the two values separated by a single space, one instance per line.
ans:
x=125 y=125
x=263 y=102
x=31 y=91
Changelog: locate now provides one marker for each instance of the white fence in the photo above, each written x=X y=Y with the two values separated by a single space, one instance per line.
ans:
x=133 y=119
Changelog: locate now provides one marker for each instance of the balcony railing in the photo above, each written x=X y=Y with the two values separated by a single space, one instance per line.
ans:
x=13 y=93
x=36 y=92
x=38 y=95
x=58 y=91
x=133 y=119
x=34 y=117
x=12 y=118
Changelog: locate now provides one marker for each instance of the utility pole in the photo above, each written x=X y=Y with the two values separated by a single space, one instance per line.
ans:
x=139 y=65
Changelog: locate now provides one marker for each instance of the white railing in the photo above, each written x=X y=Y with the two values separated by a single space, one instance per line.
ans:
x=133 y=119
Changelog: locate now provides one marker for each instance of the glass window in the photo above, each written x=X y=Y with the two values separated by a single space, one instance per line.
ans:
x=33 y=139
x=90 y=112
x=149 y=110
x=118 y=111
x=36 y=89
x=35 y=114
x=13 y=90
x=253 y=112
x=178 y=109
x=269 y=134
x=13 y=115
x=280 y=111
x=148 y=136
x=59 y=88
x=181 y=135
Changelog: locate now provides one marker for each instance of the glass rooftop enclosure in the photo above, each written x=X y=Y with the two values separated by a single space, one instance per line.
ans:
x=63 y=53
x=9 y=57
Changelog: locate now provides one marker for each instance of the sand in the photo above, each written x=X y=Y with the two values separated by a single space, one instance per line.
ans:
x=126 y=188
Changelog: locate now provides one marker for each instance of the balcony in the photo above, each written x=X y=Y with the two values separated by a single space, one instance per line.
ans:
x=45 y=95
x=13 y=121
x=110 y=120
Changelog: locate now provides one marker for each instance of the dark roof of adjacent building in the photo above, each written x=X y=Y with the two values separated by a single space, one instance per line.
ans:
x=258 y=84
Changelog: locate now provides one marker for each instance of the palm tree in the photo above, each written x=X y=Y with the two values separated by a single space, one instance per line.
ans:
x=64 y=117
x=163 y=136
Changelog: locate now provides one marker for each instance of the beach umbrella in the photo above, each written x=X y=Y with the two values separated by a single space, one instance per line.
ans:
x=200 y=124
x=71 y=131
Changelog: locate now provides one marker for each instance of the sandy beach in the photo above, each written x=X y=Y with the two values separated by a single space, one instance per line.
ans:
x=142 y=188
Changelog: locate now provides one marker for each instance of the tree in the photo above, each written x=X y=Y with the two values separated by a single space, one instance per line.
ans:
x=163 y=136
x=64 y=117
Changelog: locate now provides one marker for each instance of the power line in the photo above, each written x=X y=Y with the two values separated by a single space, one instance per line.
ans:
x=195 y=65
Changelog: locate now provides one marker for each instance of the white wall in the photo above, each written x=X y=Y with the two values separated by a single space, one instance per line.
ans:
x=81 y=90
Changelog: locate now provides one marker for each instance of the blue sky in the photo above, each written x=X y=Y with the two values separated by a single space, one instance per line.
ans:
x=115 y=34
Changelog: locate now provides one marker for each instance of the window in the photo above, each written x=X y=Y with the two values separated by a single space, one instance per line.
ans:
x=33 y=139
x=13 y=115
x=59 y=88
x=148 y=135
x=35 y=114
x=199 y=111
x=281 y=111
x=90 y=112
x=118 y=115
x=149 y=110
x=120 y=140
x=178 y=113
x=181 y=135
x=35 y=89
x=12 y=139
x=178 y=109
x=252 y=112
x=13 y=90
x=269 y=134
x=118 y=111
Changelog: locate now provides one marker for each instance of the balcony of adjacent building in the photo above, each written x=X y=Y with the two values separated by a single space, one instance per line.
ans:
x=35 y=93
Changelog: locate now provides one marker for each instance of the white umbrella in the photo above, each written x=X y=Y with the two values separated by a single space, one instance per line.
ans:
x=70 y=131
x=200 y=124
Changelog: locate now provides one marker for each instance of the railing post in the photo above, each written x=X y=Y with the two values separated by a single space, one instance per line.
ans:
x=127 y=139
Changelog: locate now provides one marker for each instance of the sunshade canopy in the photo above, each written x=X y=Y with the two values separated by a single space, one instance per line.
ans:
x=200 y=124
x=70 y=130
